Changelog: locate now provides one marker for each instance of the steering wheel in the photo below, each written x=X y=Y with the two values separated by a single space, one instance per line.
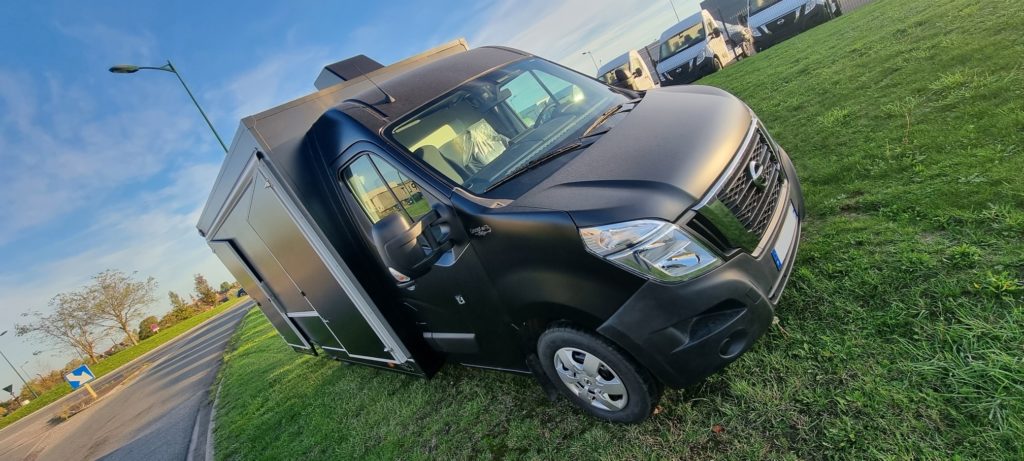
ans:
x=548 y=113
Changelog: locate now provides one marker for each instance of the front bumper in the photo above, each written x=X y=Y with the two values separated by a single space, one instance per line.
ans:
x=790 y=25
x=689 y=72
x=685 y=332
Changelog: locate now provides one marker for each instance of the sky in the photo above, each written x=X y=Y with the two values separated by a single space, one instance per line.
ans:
x=104 y=171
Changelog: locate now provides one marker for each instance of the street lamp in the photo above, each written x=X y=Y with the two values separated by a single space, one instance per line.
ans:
x=596 y=69
x=22 y=368
x=674 y=10
x=130 y=69
x=16 y=370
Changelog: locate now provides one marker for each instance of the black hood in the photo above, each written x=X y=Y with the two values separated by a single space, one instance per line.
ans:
x=656 y=162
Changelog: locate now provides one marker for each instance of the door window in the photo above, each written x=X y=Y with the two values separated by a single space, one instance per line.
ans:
x=382 y=190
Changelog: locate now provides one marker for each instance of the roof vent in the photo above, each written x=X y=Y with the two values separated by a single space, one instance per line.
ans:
x=345 y=70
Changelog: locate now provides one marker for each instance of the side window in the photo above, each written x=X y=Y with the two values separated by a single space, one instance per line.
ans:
x=405 y=190
x=382 y=190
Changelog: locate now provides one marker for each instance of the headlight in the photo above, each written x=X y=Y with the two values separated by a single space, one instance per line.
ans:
x=700 y=57
x=810 y=5
x=755 y=31
x=654 y=249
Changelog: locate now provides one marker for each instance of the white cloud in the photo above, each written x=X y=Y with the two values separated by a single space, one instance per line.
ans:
x=560 y=31
x=71 y=155
x=154 y=234
x=276 y=79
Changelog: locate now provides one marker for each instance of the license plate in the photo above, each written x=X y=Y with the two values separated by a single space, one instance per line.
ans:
x=785 y=241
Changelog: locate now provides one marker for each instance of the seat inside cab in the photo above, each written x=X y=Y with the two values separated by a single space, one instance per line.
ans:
x=459 y=137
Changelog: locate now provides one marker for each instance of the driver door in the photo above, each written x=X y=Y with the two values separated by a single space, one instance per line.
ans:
x=452 y=301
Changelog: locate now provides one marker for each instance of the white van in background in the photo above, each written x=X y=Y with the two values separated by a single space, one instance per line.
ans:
x=773 y=21
x=628 y=71
x=698 y=46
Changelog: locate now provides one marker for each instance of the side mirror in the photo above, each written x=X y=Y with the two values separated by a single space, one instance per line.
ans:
x=407 y=247
x=638 y=72
x=716 y=32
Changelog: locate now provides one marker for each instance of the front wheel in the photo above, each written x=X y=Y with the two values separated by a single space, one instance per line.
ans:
x=596 y=376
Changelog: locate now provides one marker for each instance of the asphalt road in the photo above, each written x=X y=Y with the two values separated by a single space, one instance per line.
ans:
x=153 y=416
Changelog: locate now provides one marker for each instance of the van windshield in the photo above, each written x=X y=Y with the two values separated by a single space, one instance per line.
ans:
x=685 y=39
x=757 y=6
x=489 y=127
x=609 y=77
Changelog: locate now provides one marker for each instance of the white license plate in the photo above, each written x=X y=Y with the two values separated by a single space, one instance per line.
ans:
x=784 y=243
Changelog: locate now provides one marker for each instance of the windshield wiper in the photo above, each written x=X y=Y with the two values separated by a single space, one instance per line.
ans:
x=607 y=115
x=580 y=142
x=601 y=119
x=538 y=160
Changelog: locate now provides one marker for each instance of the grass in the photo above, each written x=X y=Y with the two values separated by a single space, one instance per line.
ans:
x=904 y=319
x=109 y=364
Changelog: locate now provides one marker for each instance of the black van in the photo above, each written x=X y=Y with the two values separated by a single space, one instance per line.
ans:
x=491 y=208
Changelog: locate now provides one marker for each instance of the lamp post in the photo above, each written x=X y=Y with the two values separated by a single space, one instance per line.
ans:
x=22 y=368
x=674 y=10
x=130 y=69
x=22 y=378
x=596 y=69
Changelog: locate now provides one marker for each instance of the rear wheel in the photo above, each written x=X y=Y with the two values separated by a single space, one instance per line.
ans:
x=718 y=64
x=597 y=377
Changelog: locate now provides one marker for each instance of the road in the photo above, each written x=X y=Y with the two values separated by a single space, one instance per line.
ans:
x=152 y=417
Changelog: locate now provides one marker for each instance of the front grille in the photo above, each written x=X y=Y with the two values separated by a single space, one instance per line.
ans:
x=783 y=24
x=752 y=203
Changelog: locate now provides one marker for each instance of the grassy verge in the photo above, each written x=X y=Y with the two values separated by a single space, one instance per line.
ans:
x=903 y=323
x=115 y=361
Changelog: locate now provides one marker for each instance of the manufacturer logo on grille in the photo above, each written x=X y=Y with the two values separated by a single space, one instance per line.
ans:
x=781 y=21
x=756 y=172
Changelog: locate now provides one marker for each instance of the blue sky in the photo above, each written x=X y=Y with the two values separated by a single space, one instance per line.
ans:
x=103 y=171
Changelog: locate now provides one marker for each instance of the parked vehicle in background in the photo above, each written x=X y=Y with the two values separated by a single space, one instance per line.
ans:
x=627 y=71
x=491 y=208
x=772 y=21
x=698 y=46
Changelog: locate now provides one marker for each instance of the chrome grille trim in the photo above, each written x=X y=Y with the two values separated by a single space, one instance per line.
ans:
x=752 y=204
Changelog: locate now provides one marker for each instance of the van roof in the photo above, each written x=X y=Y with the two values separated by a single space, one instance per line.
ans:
x=278 y=132
x=680 y=26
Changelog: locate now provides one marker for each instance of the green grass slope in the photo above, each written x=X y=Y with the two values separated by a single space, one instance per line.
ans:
x=903 y=326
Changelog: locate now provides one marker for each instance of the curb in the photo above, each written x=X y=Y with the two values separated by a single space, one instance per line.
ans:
x=213 y=423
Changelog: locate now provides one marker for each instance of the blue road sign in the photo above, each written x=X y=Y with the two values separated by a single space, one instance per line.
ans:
x=79 y=376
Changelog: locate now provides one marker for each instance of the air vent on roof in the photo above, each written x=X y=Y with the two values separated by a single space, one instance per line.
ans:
x=345 y=70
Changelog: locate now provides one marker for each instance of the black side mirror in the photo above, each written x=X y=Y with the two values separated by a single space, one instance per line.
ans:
x=412 y=248
x=638 y=72
x=716 y=32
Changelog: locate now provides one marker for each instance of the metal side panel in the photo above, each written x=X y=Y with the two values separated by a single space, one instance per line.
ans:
x=245 y=276
x=263 y=266
x=323 y=279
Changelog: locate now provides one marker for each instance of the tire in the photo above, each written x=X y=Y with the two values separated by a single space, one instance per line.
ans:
x=718 y=64
x=596 y=376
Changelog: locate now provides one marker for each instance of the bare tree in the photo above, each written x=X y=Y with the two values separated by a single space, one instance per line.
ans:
x=72 y=323
x=119 y=300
